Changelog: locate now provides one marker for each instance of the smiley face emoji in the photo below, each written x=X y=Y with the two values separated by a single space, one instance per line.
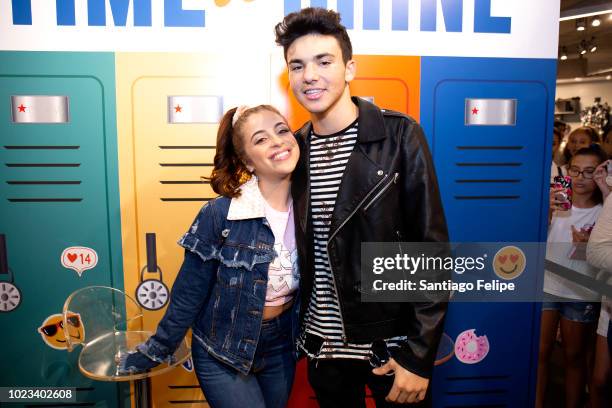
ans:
x=509 y=262
x=52 y=330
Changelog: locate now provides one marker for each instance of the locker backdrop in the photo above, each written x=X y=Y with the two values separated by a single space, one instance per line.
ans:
x=109 y=117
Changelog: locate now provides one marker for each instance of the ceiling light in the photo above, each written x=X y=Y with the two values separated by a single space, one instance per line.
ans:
x=577 y=79
x=563 y=54
x=596 y=22
x=593 y=47
x=582 y=48
x=580 y=24
x=609 y=77
x=581 y=13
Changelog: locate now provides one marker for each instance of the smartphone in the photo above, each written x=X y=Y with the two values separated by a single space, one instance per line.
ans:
x=565 y=195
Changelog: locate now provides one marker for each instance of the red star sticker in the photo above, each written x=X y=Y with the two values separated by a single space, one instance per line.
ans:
x=177 y=108
x=21 y=108
x=475 y=111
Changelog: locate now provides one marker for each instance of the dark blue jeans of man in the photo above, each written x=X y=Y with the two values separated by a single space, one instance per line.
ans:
x=269 y=382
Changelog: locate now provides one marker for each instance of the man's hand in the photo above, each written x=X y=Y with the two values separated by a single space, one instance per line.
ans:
x=407 y=387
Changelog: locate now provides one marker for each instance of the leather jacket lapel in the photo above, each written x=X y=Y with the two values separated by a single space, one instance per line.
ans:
x=300 y=185
x=364 y=169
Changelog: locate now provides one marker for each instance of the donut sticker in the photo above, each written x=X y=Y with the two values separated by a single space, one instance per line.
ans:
x=79 y=259
x=470 y=348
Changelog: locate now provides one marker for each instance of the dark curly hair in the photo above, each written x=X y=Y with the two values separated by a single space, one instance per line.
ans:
x=313 y=20
x=230 y=164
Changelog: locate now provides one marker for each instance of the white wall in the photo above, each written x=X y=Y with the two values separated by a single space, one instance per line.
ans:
x=587 y=91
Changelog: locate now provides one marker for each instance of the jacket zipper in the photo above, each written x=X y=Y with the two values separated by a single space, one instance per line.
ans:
x=385 y=188
x=344 y=337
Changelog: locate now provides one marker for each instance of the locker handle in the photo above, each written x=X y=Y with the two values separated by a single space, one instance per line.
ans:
x=151 y=252
x=3 y=256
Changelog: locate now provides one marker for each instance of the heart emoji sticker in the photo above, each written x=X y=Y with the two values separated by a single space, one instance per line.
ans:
x=79 y=259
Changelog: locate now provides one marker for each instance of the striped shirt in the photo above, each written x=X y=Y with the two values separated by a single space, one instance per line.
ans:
x=328 y=158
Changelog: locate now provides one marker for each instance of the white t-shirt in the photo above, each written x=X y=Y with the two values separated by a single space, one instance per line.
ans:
x=558 y=246
x=283 y=277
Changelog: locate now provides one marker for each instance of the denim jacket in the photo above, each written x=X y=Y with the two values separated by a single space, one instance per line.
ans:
x=221 y=287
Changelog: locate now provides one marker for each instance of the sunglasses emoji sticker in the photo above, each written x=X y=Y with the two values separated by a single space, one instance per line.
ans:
x=509 y=262
x=53 y=333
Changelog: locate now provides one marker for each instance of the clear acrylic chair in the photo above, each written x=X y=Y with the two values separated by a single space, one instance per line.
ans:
x=106 y=323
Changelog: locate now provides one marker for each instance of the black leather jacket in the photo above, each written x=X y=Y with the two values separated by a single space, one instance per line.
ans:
x=389 y=193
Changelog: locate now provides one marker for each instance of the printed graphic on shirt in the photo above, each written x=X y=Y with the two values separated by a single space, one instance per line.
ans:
x=283 y=276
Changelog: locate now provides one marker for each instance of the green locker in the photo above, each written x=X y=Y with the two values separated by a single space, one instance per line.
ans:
x=58 y=192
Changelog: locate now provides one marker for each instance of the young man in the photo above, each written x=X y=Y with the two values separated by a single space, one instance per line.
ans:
x=366 y=176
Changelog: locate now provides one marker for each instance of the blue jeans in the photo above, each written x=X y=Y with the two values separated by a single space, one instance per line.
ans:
x=571 y=309
x=269 y=381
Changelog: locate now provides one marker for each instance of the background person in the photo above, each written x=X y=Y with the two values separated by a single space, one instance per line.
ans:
x=566 y=303
x=599 y=255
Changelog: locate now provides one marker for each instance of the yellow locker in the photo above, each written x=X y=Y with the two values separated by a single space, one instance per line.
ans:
x=168 y=108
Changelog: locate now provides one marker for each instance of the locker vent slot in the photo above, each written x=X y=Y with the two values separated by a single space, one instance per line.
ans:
x=477 y=406
x=185 y=179
x=184 y=182
x=490 y=147
x=488 y=197
x=187 y=147
x=478 y=377
x=488 y=180
x=187 y=401
x=42 y=182
x=476 y=392
x=65 y=404
x=42 y=147
x=45 y=200
x=492 y=164
x=187 y=199
x=42 y=164
x=185 y=164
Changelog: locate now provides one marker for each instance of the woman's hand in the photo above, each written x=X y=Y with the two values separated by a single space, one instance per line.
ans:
x=601 y=172
x=556 y=199
x=580 y=235
x=135 y=362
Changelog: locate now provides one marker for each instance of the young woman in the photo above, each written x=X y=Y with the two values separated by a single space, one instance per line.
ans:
x=574 y=307
x=238 y=283
x=579 y=139
x=599 y=254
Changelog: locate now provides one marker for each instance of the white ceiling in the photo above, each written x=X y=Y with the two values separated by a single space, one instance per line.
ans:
x=600 y=60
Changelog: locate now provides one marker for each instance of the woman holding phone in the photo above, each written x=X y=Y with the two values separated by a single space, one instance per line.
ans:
x=573 y=307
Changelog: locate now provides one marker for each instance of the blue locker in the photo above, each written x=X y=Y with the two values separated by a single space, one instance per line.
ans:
x=493 y=179
x=59 y=189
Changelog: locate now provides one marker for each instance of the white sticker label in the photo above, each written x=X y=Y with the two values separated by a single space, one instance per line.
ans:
x=79 y=258
x=39 y=109
x=195 y=109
